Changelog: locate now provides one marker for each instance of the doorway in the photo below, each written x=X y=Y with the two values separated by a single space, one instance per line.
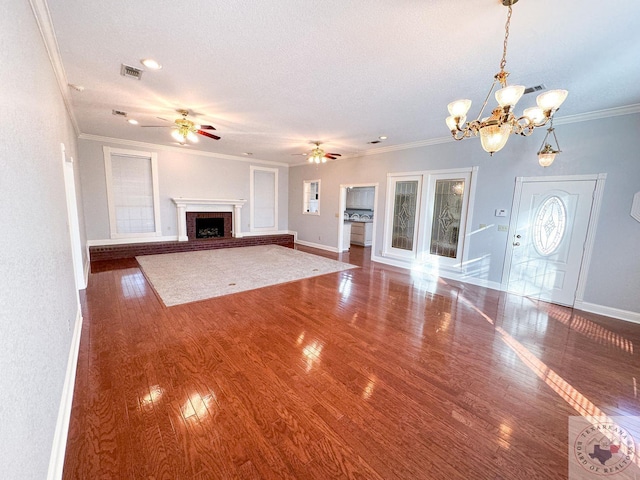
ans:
x=550 y=237
x=72 y=219
x=367 y=207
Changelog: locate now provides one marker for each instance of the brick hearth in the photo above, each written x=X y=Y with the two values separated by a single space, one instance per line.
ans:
x=131 y=250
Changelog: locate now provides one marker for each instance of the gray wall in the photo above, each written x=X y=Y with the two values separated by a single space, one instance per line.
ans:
x=180 y=174
x=38 y=304
x=608 y=145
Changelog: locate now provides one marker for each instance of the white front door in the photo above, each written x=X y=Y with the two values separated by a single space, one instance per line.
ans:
x=548 y=239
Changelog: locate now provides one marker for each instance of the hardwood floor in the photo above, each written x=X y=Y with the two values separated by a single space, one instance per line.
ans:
x=370 y=373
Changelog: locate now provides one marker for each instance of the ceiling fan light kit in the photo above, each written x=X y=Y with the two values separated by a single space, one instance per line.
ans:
x=318 y=155
x=186 y=130
x=494 y=130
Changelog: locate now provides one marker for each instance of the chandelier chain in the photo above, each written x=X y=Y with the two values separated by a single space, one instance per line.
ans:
x=503 y=63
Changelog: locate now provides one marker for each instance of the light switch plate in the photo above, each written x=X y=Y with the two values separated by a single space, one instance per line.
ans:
x=503 y=228
x=501 y=212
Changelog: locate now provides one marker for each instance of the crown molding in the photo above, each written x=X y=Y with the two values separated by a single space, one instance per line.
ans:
x=390 y=148
x=577 y=118
x=45 y=25
x=156 y=146
x=404 y=146
x=598 y=114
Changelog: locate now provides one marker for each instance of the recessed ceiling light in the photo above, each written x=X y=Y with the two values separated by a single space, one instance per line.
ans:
x=248 y=153
x=133 y=121
x=77 y=88
x=383 y=137
x=151 y=63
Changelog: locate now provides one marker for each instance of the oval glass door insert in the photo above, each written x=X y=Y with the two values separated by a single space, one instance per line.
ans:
x=549 y=226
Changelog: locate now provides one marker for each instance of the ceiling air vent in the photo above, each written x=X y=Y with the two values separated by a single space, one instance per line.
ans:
x=129 y=71
x=535 y=88
x=119 y=113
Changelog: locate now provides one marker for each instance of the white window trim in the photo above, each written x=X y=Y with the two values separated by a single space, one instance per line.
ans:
x=304 y=183
x=275 y=171
x=107 y=152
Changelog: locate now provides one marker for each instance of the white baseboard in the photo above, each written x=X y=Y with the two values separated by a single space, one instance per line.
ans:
x=459 y=277
x=626 y=315
x=317 y=245
x=122 y=241
x=56 y=461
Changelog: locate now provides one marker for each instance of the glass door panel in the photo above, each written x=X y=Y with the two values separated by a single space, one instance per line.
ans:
x=403 y=214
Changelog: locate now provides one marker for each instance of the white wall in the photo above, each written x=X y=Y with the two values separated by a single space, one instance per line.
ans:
x=38 y=303
x=180 y=174
x=608 y=145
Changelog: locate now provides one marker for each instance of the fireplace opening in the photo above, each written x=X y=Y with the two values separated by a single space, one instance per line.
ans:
x=209 y=227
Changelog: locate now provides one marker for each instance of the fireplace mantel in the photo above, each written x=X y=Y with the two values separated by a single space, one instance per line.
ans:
x=185 y=205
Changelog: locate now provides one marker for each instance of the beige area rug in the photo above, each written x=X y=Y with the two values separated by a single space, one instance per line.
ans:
x=191 y=276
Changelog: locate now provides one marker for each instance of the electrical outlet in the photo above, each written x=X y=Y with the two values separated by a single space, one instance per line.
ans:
x=503 y=228
x=483 y=225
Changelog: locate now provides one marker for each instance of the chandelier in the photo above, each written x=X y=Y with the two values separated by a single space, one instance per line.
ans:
x=495 y=130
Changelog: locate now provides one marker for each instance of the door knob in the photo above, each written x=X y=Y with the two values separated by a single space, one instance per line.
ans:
x=518 y=236
x=517 y=244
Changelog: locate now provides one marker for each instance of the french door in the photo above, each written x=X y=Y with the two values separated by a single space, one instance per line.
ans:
x=426 y=217
x=404 y=195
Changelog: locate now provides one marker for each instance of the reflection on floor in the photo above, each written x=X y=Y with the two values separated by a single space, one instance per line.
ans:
x=367 y=373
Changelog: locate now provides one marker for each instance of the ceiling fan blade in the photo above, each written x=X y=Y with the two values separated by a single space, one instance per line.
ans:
x=206 y=134
x=334 y=154
x=156 y=126
x=207 y=127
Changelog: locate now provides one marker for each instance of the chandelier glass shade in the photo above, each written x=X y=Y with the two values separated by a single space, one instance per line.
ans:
x=547 y=153
x=494 y=130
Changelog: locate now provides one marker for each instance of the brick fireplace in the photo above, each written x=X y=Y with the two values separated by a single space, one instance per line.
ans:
x=189 y=209
x=203 y=225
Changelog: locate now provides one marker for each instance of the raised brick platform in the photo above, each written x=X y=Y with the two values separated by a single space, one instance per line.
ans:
x=131 y=250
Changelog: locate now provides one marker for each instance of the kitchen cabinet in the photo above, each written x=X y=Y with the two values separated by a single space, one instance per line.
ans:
x=362 y=233
x=361 y=198
x=346 y=236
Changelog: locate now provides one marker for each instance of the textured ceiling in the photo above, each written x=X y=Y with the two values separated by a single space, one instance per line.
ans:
x=274 y=75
